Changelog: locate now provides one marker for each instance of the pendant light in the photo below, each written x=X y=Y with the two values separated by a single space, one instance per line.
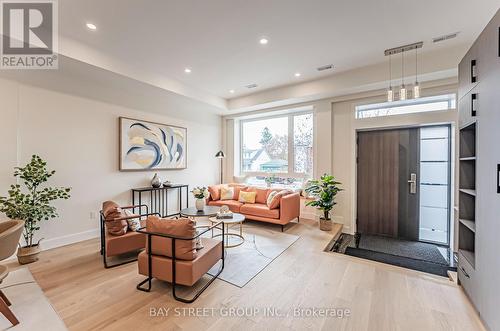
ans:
x=416 y=87
x=402 y=91
x=390 y=92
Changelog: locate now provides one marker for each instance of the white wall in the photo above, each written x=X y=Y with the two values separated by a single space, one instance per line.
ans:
x=78 y=137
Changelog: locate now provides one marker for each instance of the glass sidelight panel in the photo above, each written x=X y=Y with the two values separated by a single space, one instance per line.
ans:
x=434 y=184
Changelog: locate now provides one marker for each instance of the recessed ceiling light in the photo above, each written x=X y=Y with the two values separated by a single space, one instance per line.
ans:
x=263 y=41
x=91 y=26
x=231 y=91
x=187 y=71
x=297 y=74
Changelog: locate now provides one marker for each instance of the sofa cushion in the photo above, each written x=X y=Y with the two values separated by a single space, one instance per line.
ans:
x=184 y=227
x=128 y=242
x=214 y=191
x=261 y=193
x=247 y=197
x=226 y=193
x=187 y=272
x=112 y=214
x=237 y=189
x=259 y=209
x=233 y=205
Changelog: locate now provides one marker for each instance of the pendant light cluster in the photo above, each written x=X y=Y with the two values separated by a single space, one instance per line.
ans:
x=403 y=92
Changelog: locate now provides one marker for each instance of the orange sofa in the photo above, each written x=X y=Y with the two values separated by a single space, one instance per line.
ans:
x=287 y=211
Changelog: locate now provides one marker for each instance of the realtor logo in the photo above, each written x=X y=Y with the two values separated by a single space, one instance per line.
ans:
x=29 y=34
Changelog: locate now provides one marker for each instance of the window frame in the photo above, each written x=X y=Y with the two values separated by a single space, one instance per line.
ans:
x=424 y=100
x=291 y=153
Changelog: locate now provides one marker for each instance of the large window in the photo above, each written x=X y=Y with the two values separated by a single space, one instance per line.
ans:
x=434 y=103
x=278 y=148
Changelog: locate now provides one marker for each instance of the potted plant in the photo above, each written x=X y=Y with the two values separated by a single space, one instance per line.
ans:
x=324 y=191
x=33 y=205
x=200 y=193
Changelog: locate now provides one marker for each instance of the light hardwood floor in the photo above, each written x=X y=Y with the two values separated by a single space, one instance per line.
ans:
x=379 y=297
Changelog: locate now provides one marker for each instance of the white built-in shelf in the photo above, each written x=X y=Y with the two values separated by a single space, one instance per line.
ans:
x=469 y=158
x=469 y=256
x=471 y=225
x=468 y=191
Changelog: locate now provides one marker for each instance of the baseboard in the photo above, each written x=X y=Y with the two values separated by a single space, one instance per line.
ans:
x=69 y=239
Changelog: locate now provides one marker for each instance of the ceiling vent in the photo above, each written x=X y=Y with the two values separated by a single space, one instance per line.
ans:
x=327 y=67
x=251 y=86
x=445 y=37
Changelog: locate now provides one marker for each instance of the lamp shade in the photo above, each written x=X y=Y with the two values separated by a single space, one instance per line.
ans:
x=220 y=155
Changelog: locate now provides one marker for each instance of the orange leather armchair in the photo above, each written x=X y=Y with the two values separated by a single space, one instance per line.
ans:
x=171 y=254
x=129 y=242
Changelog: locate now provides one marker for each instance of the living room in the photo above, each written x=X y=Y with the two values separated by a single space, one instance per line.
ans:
x=265 y=164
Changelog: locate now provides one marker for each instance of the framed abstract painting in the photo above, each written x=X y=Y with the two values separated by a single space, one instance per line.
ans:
x=151 y=146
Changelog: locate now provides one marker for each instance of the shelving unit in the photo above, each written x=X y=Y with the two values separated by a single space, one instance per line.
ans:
x=467 y=189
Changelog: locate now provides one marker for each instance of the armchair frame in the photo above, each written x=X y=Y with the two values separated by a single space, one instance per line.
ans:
x=104 y=232
x=218 y=225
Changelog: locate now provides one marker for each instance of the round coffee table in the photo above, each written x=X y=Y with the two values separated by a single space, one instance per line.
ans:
x=236 y=219
x=193 y=213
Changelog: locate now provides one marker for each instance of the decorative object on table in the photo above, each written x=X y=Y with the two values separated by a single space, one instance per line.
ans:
x=156 y=181
x=33 y=206
x=324 y=191
x=200 y=193
x=167 y=183
x=151 y=146
x=224 y=213
x=220 y=155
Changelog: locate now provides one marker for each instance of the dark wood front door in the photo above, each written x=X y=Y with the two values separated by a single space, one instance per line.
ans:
x=386 y=204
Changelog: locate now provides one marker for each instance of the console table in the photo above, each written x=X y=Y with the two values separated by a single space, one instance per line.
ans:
x=158 y=198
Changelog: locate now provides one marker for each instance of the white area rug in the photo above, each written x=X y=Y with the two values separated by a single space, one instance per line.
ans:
x=263 y=243
x=29 y=304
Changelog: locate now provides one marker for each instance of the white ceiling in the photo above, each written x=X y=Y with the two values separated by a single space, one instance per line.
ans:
x=218 y=39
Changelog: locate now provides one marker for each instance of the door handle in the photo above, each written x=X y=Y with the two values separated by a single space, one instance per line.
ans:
x=413 y=183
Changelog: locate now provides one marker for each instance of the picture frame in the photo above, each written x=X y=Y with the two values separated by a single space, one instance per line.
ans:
x=151 y=146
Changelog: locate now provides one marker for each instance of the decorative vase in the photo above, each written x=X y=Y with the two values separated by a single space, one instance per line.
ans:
x=156 y=182
x=27 y=255
x=325 y=225
x=200 y=204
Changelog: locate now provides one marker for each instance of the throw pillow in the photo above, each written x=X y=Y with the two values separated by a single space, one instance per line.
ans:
x=276 y=200
x=134 y=224
x=270 y=197
x=112 y=218
x=226 y=193
x=247 y=197
x=237 y=189
x=214 y=192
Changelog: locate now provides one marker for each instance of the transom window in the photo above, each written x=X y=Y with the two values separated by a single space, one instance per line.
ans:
x=280 y=146
x=434 y=103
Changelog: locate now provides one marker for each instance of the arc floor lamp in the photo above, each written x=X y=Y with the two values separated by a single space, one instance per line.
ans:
x=220 y=155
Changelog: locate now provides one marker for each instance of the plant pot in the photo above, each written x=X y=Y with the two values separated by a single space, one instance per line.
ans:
x=200 y=204
x=325 y=225
x=27 y=255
